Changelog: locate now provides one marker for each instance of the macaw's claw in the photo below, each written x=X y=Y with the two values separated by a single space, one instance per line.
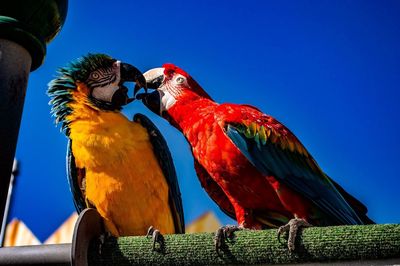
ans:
x=292 y=227
x=157 y=238
x=102 y=239
x=223 y=234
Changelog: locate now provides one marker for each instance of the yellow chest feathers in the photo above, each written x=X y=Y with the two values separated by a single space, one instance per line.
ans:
x=123 y=177
x=106 y=139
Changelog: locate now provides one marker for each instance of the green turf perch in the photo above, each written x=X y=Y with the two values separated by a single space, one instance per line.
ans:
x=317 y=244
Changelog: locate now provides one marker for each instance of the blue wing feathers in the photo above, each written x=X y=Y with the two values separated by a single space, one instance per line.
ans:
x=295 y=171
x=164 y=157
x=72 y=174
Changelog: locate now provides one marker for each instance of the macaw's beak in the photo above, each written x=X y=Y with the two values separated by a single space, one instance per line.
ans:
x=131 y=73
x=151 y=101
x=154 y=80
x=120 y=97
x=128 y=73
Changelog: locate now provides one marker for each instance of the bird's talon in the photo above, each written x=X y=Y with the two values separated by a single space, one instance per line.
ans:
x=292 y=228
x=102 y=239
x=101 y=243
x=157 y=237
x=281 y=230
x=223 y=234
x=150 y=231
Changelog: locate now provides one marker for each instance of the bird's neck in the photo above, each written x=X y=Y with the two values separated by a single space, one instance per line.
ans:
x=86 y=111
x=86 y=117
x=85 y=120
x=188 y=111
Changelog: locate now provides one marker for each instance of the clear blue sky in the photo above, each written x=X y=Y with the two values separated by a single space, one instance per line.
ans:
x=329 y=70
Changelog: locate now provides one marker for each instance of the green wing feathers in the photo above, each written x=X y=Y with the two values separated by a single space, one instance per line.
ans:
x=275 y=151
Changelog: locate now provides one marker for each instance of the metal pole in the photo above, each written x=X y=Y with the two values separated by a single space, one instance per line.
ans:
x=14 y=174
x=26 y=26
x=15 y=65
x=59 y=254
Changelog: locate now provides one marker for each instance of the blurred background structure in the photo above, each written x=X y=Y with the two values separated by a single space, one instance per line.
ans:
x=18 y=234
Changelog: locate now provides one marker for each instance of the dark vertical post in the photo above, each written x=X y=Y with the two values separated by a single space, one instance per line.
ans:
x=15 y=64
x=14 y=174
x=25 y=28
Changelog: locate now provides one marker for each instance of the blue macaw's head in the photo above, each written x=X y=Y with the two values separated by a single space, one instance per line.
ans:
x=103 y=78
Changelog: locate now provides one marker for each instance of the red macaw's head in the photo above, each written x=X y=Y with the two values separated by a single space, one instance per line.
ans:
x=172 y=86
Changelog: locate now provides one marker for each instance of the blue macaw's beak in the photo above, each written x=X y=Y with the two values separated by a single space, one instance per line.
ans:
x=128 y=73
x=121 y=97
x=131 y=73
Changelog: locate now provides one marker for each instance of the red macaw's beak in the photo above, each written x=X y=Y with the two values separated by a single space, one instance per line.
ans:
x=154 y=79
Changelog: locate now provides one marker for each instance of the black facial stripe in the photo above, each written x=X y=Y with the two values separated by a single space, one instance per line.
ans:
x=110 y=78
x=101 y=82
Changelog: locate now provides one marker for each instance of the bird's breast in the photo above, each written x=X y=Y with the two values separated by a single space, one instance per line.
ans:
x=228 y=166
x=123 y=178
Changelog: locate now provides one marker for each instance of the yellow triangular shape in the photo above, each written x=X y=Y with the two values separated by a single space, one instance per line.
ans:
x=18 y=234
x=64 y=233
x=207 y=222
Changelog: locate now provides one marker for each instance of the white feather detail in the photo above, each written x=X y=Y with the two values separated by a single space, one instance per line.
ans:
x=105 y=93
x=167 y=100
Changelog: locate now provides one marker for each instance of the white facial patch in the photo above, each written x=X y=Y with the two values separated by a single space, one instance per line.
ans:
x=105 y=93
x=167 y=100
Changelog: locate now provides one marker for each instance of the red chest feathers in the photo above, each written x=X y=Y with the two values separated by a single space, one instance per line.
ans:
x=227 y=166
x=212 y=148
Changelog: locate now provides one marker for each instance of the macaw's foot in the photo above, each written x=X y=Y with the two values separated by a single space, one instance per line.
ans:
x=292 y=227
x=102 y=239
x=223 y=234
x=157 y=238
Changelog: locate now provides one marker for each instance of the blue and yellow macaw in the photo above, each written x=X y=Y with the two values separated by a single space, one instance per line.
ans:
x=121 y=168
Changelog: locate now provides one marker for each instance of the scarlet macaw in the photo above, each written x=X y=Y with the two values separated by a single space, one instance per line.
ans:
x=249 y=163
x=120 y=167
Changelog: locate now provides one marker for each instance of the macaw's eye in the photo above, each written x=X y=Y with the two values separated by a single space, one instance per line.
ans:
x=180 y=80
x=94 y=75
